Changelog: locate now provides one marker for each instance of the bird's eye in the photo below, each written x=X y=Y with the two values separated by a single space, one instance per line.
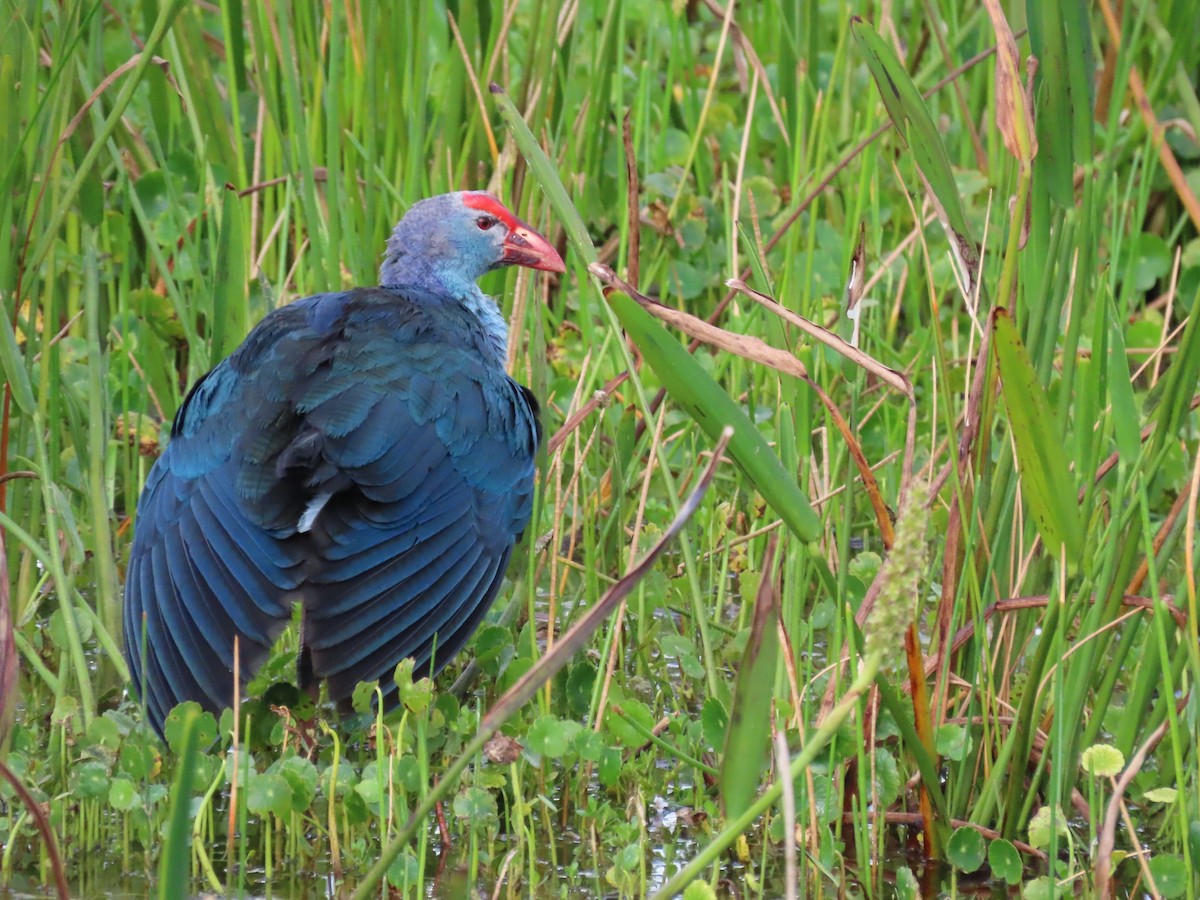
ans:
x=485 y=222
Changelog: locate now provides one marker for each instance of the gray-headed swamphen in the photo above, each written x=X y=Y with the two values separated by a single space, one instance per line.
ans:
x=363 y=454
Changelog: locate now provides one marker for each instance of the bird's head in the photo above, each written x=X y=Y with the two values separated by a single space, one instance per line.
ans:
x=449 y=241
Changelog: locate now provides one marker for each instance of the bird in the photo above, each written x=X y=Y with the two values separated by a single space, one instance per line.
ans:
x=362 y=454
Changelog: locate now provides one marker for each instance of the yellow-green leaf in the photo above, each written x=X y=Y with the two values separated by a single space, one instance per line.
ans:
x=1102 y=760
x=1161 y=795
x=1040 y=826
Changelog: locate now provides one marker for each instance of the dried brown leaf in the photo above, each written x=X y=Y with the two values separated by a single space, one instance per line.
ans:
x=502 y=749
x=1014 y=117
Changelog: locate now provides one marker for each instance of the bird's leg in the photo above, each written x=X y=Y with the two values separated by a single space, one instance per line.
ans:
x=443 y=829
x=302 y=731
x=307 y=680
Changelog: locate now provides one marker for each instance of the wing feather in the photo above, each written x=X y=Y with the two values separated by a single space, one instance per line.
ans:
x=350 y=590
x=416 y=624
x=201 y=574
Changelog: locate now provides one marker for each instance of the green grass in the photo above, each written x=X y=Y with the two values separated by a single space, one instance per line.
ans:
x=151 y=219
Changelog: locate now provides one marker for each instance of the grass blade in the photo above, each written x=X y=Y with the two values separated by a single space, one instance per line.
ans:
x=1120 y=391
x=8 y=647
x=1063 y=82
x=14 y=368
x=750 y=714
x=916 y=128
x=174 y=870
x=229 y=324
x=1180 y=383
x=1046 y=482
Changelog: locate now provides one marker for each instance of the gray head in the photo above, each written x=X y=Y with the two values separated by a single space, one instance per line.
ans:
x=445 y=243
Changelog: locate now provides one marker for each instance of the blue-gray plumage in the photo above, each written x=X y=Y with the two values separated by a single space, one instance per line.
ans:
x=363 y=454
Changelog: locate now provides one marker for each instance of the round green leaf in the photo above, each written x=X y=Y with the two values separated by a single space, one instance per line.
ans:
x=121 y=794
x=91 y=780
x=685 y=651
x=550 y=737
x=269 y=793
x=371 y=792
x=699 y=890
x=344 y=784
x=301 y=777
x=952 y=741
x=57 y=629
x=1005 y=861
x=408 y=774
x=363 y=695
x=823 y=615
x=475 y=806
x=1170 y=875
x=766 y=195
x=634 y=709
x=151 y=190
x=491 y=777
x=354 y=808
x=966 y=849
x=1040 y=888
x=104 y=732
x=589 y=745
x=419 y=696
x=415 y=695
x=404 y=871
x=493 y=648
x=580 y=681
x=609 y=768
x=863 y=567
x=675 y=152
x=137 y=760
x=714 y=722
x=887 y=781
x=907 y=887
x=1039 y=827
x=206 y=727
x=1145 y=258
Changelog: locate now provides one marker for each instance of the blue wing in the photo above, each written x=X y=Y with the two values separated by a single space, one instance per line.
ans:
x=201 y=574
x=360 y=454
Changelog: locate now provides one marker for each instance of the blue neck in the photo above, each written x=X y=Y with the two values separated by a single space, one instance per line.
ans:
x=484 y=310
x=457 y=289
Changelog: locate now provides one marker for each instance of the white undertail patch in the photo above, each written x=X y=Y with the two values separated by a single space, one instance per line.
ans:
x=315 y=505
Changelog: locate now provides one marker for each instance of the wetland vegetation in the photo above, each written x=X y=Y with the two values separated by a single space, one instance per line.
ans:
x=923 y=622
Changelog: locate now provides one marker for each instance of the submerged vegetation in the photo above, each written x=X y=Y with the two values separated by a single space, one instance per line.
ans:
x=925 y=617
